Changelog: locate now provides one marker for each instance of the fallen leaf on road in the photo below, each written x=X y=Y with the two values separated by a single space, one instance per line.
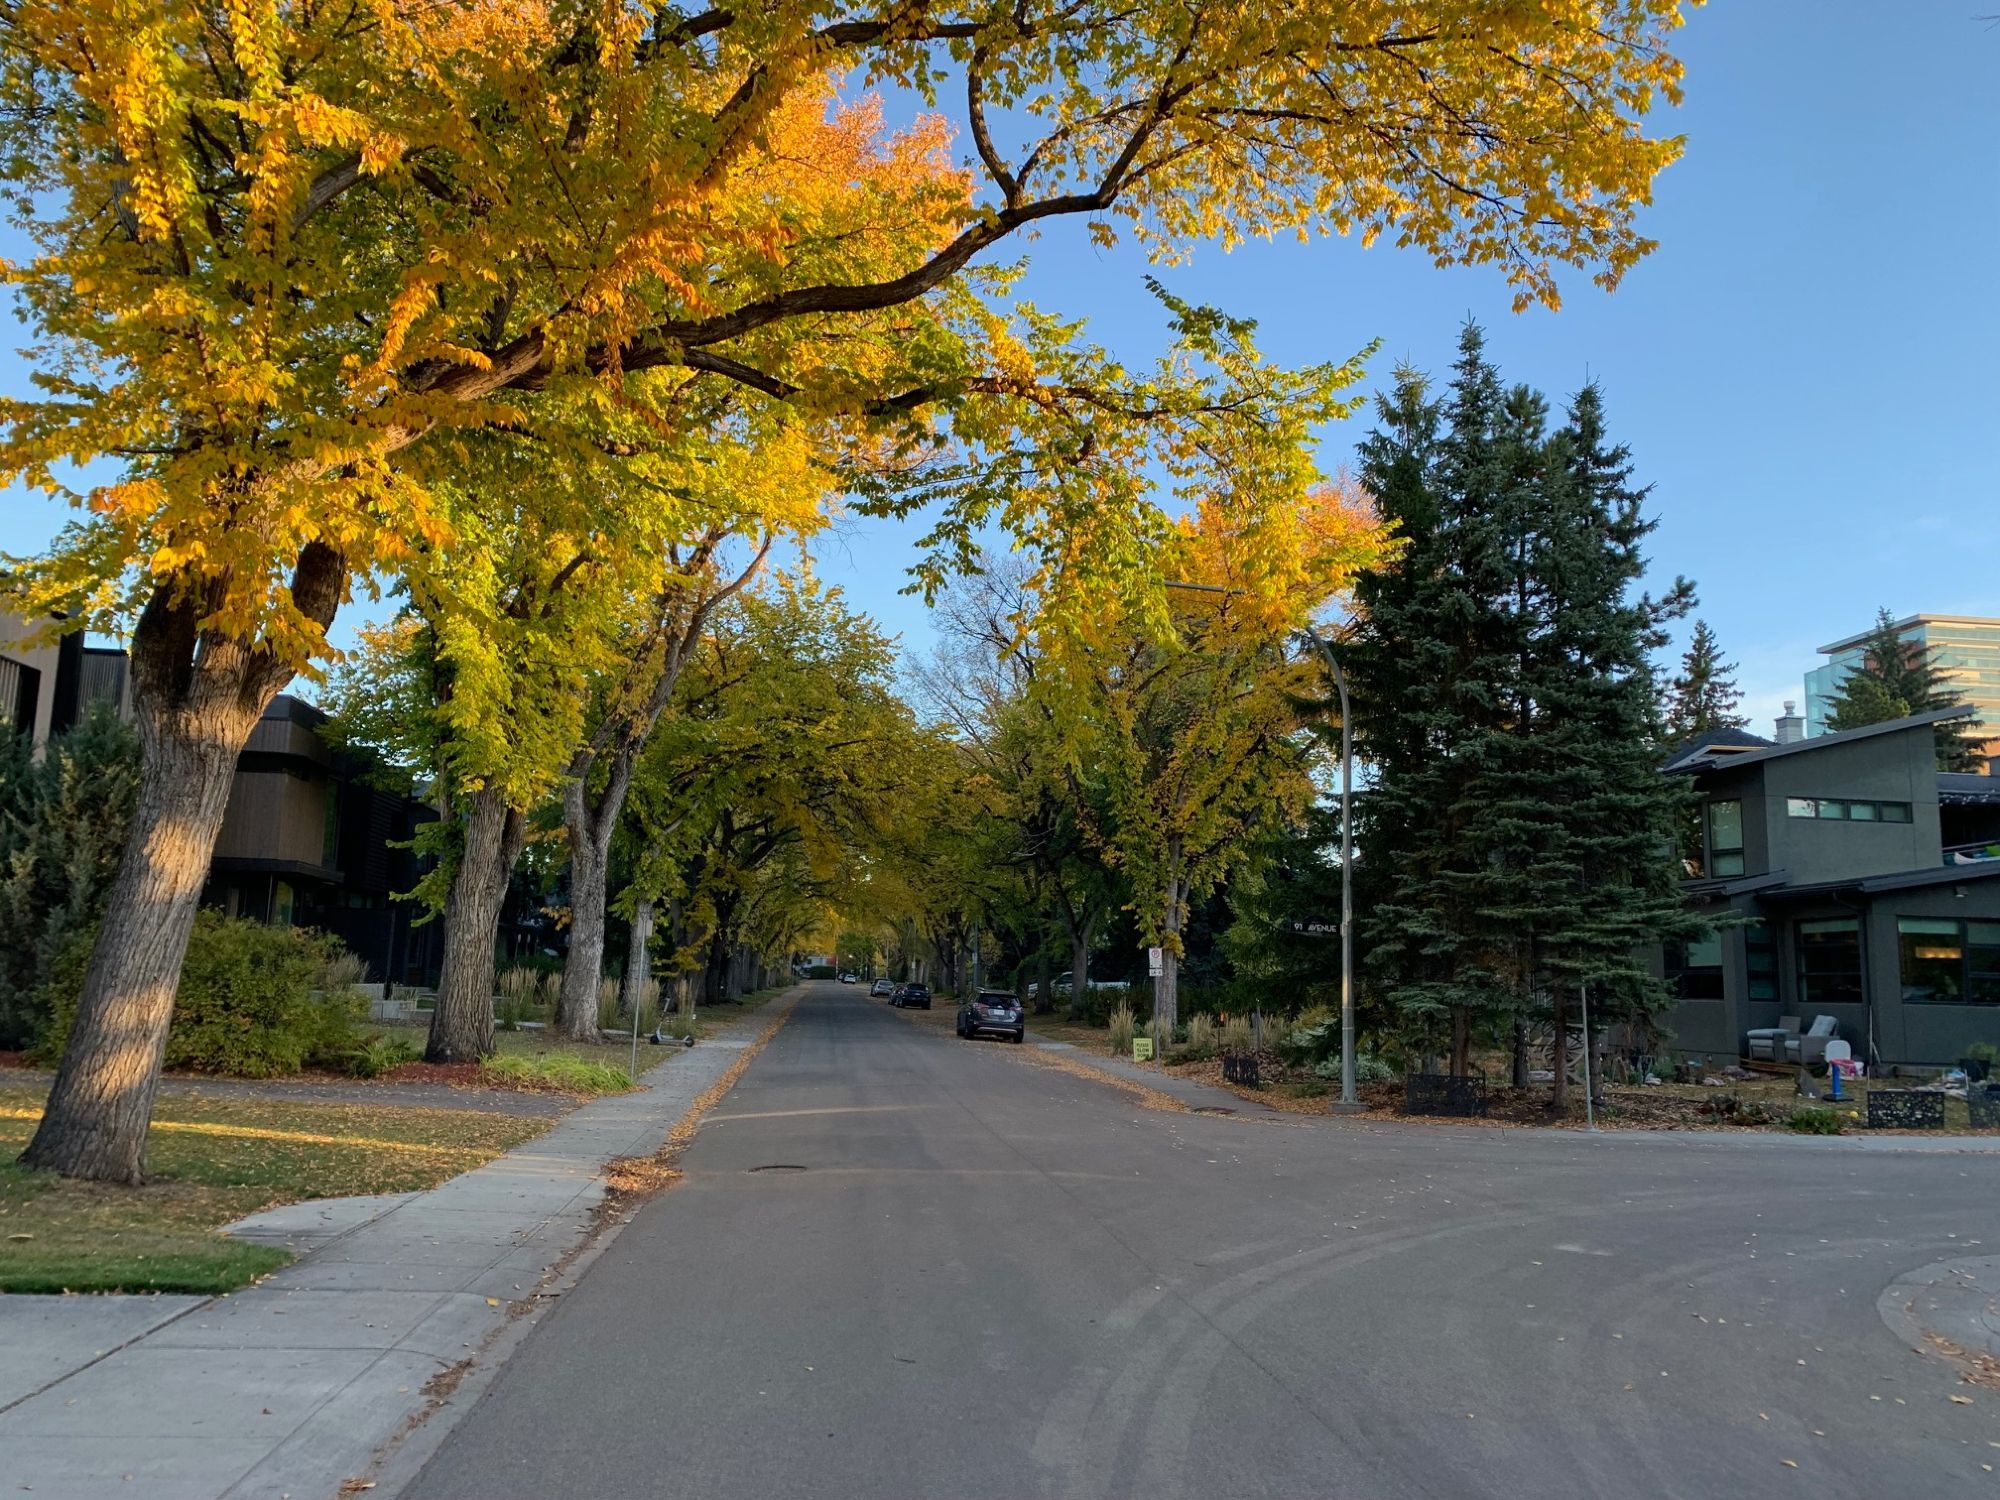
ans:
x=1961 y=1401
x=495 y=1302
x=1790 y=1463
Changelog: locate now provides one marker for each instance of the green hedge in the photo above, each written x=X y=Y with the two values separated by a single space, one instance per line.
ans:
x=249 y=1005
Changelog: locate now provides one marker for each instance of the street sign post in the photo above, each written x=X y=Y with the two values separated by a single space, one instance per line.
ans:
x=1156 y=962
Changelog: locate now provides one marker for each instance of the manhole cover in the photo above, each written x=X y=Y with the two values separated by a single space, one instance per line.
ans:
x=1213 y=1109
x=779 y=1166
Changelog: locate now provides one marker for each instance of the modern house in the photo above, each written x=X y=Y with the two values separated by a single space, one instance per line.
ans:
x=1964 y=648
x=309 y=841
x=1849 y=878
x=46 y=686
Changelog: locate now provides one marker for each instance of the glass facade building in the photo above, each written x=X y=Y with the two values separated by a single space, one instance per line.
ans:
x=1966 y=648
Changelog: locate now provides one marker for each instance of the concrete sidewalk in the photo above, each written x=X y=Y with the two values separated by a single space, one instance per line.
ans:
x=290 y=1387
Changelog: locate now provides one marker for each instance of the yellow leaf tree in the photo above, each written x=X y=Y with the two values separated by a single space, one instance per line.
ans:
x=286 y=253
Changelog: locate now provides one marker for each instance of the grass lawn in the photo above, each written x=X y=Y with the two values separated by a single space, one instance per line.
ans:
x=214 y=1160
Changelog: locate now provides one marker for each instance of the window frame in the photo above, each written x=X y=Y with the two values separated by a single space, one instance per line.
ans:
x=1718 y=853
x=1841 y=810
x=1978 y=962
x=1804 y=983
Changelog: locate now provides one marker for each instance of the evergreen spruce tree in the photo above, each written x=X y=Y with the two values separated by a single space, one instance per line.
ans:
x=1704 y=695
x=1431 y=663
x=1896 y=678
x=1517 y=837
x=63 y=822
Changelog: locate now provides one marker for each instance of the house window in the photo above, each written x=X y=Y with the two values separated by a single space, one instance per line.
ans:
x=281 y=904
x=1949 y=963
x=1847 y=810
x=1694 y=969
x=1760 y=961
x=329 y=841
x=1830 y=962
x=1725 y=838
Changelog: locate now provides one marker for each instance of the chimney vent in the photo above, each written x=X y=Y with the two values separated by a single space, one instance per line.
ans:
x=1791 y=728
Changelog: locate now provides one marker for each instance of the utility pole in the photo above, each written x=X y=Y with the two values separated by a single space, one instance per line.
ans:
x=1347 y=1104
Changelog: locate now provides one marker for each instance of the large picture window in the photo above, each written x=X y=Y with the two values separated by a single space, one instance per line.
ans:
x=1949 y=963
x=1830 y=963
x=1694 y=969
x=1725 y=838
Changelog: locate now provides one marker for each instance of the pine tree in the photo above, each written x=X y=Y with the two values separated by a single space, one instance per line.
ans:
x=1431 y=663
x=1704 y=695
x=1515 y=836
x=1895 y=678
x=62 y=830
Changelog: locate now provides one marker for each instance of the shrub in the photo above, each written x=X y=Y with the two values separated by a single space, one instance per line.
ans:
x=521 y=991
x=253 y=1001
x=1814 y=1119
x=1310 y=1091
x=608 y=1008
x=375 y=1055
x=1306 y=1046
x=1234 y=1034
x=1124 y=1027
x=559 y=1070
x=1368 y=1068
x=1201 y=1036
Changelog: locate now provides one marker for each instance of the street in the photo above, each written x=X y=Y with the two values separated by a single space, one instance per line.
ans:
x=904 y=1265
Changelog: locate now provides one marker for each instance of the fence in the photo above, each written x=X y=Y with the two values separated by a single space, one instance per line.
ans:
x=1462 y=1095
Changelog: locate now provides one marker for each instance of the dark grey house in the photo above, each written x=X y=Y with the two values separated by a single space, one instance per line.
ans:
x=1851 y=879
x=310 y=841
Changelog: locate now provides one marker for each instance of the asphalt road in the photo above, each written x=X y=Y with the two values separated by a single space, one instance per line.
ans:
x=902 y=1265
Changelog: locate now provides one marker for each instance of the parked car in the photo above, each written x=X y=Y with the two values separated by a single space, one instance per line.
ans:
x=882 y=987
x=847 y=979
x=993 y=1011
x=911 y=997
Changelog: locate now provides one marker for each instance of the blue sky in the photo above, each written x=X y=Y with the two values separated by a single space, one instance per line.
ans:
x=1807 y=370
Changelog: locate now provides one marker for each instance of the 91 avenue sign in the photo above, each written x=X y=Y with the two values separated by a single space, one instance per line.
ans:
x=1310 y=927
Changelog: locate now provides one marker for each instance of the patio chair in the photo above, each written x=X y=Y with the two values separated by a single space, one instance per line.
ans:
x=1811 y=1047
x=1768 y=1043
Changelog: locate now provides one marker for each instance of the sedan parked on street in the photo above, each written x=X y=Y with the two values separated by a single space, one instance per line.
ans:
x=911 y=997
x=995 y=1012
x=881 y=988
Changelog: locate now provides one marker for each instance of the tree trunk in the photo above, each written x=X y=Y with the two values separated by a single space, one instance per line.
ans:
x=639 y=956
x=1461 y=1041
x=1045 y=1000
x=462 y=1024
x=1520 y=1050
x=98 y=1113
x=590 y=827
x=1559 y=1088
x=1166 y=991
x=1079 y=968
x=196 y=697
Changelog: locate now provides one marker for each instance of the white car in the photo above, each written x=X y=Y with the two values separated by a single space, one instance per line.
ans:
x=847 y=979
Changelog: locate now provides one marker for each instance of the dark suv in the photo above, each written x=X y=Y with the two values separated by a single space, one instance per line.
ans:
x=994 y=1011
x=911 y=997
